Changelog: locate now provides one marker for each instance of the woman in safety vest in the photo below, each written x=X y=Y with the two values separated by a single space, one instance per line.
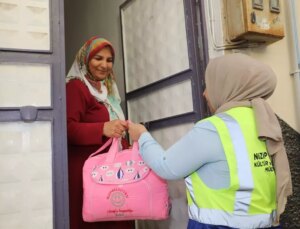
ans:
x=234 y=163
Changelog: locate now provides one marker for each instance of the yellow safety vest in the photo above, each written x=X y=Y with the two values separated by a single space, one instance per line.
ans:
x=250 y=200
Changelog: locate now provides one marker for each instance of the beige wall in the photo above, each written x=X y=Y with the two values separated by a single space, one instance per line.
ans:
x=297 y=2
x=279 y=55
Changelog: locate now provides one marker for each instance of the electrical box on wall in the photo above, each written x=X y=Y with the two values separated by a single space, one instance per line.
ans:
x=254 y=20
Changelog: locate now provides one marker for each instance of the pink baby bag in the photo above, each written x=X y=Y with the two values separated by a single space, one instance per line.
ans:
x=118 y=185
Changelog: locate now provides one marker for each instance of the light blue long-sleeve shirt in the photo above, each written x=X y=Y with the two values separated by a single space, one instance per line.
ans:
x=199 y=150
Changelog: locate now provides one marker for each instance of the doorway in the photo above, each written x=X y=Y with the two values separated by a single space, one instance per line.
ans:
x=174 y=76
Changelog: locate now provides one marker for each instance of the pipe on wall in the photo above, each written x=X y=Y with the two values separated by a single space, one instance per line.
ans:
x=295 y=52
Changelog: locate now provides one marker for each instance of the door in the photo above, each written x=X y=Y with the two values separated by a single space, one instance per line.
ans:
x=165 y=54
x=33 y=158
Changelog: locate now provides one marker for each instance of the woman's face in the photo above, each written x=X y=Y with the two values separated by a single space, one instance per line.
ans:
x=211 y=109
x=101 y=64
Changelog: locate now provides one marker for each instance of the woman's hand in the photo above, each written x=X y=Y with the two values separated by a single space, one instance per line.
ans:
x=135 y=130
x=115 y=128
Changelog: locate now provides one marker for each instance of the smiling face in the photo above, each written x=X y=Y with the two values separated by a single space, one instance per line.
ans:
x=100 y=66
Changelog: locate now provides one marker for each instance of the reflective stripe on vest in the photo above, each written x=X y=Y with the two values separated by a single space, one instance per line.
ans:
x=248 y=202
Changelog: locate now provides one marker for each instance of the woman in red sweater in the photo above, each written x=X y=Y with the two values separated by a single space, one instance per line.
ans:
x=94 y=114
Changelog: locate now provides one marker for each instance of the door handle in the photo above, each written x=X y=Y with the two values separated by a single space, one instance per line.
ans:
x=28 y=113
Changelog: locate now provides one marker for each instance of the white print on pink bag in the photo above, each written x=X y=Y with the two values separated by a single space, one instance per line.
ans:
x=128 y=171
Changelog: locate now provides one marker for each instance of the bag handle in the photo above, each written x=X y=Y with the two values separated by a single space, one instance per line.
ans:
x=114 y=149
x=107 y=143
